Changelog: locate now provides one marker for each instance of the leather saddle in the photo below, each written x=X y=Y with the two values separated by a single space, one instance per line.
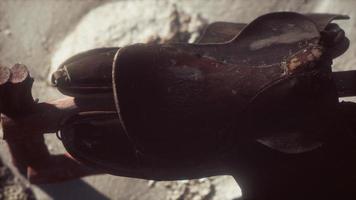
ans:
x=177 y=111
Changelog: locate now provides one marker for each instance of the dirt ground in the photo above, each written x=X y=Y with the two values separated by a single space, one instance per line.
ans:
x=42 y=33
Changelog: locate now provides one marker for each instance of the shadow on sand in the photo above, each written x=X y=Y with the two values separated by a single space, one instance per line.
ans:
x=76 y=189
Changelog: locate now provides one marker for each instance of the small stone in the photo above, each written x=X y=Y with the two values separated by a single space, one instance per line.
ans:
x=50 y=148
x=7 y=32
x=151 y=183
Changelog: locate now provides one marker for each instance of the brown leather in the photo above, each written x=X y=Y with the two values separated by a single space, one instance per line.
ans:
x=184 y=109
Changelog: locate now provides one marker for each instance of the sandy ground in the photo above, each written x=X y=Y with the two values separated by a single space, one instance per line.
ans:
x=42 y=33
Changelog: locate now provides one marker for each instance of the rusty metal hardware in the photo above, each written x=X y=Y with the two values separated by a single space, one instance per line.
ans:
x=223 y=105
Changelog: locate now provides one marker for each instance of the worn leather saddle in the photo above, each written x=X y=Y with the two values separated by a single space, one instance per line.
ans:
x=174 y=111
